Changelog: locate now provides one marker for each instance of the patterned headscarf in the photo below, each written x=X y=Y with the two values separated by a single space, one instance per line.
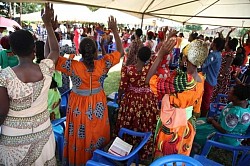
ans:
x=197 y=52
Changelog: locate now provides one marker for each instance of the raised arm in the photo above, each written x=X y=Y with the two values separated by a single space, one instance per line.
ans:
x=243 y=37
x=48 y=18
x=228 y=35
x=166 y=48
x=113 y=26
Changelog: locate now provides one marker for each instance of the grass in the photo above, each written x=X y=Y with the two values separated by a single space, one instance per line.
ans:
x=111 y=83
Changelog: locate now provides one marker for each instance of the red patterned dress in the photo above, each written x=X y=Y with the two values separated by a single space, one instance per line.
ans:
x=138 y=108
x=223 y=82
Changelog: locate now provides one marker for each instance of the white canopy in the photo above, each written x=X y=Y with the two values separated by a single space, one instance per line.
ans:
x=209 y=12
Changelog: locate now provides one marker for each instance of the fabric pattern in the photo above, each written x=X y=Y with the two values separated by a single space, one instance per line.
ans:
x=27 y=137
x=87 y=124
x=138 y=108
x=223 y=81
x=178 y=140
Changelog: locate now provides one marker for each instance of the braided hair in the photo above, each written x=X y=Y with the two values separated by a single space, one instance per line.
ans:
x=88 y=50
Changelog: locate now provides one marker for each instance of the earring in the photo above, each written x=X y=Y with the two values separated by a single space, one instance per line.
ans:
x=185 y=64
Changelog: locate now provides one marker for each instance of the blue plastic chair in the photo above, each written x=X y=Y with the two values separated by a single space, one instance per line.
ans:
x=93 y=163
x=64 y=103
x=242 y=159
x=176 y=159
x=111 y=48
x=133 y=156
x=216 y=107
x=58 y=129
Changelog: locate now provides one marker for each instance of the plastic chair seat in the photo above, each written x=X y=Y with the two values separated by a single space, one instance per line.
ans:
x=110 y=159
x=205 y=161
x=176 y=159
x=58 y=129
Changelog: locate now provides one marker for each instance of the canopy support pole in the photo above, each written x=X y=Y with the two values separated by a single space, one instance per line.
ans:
x=142 y=18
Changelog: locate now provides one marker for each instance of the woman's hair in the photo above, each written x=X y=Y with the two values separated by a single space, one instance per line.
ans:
x=242 y=92
x=150 y=35
x=5 y=42
x=219 y=43
x=144 y=54
x=88 y=49
x=39 y=51
x=232 y=44
x=138 y=32
x=22 y=42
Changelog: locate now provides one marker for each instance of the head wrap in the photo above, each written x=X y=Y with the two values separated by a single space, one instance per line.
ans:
x=197 y=52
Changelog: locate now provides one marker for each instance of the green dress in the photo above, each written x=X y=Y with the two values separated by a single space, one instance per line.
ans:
x=7 y=58
x=233 y=119
x=54 y=97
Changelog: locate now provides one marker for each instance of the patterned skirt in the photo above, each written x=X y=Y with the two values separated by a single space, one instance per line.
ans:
x=139 y=112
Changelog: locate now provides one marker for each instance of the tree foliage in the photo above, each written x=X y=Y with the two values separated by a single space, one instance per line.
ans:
x=7 y=9
x=193 y=27
x=29 y=8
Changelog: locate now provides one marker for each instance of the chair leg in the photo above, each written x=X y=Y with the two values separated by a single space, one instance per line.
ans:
x=60 y=147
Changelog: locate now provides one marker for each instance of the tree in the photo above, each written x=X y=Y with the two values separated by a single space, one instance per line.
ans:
x=193 y=27
x=7 y=9
x=4 y=9
x=29 y=7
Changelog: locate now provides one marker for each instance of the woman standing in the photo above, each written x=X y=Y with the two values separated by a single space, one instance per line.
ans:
x=181 y=102
x=87 y=124
x=139 y=106
x=223 y=81
x=27 y=137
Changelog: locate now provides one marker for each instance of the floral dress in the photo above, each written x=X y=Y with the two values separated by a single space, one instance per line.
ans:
x=139 y=106
x=223 y=81
x=87 y=123
x=27 y=137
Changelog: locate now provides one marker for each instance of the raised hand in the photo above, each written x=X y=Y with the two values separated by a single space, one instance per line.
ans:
x=112 y=23
x=232 y=29
x=16 y=28
x=47 y=14
x=54 y=22
x=167 y=46
x=172 y=33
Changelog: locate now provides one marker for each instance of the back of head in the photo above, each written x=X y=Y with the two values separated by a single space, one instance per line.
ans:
x=144 y=54
x=219 y=43
x=138 y=32
x=232 y=44
x=5 y=42
x=150 y=35
x=39 y=51
x=22 y=42
x=181 y=34
x=242 y=92
x=88 y=50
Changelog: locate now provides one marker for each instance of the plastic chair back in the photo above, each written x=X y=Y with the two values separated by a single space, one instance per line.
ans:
x=176 y=159
x=58 y=129
x=111 y=48
x=133 y=156
x=64 y=103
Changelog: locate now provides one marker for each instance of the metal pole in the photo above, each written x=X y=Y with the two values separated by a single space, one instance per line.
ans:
x=142 y=20
x=21 y=10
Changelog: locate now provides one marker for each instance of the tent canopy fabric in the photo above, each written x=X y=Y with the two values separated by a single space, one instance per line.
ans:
x=209 y=12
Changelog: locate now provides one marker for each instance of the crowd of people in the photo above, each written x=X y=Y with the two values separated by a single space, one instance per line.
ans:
x=163 y=89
